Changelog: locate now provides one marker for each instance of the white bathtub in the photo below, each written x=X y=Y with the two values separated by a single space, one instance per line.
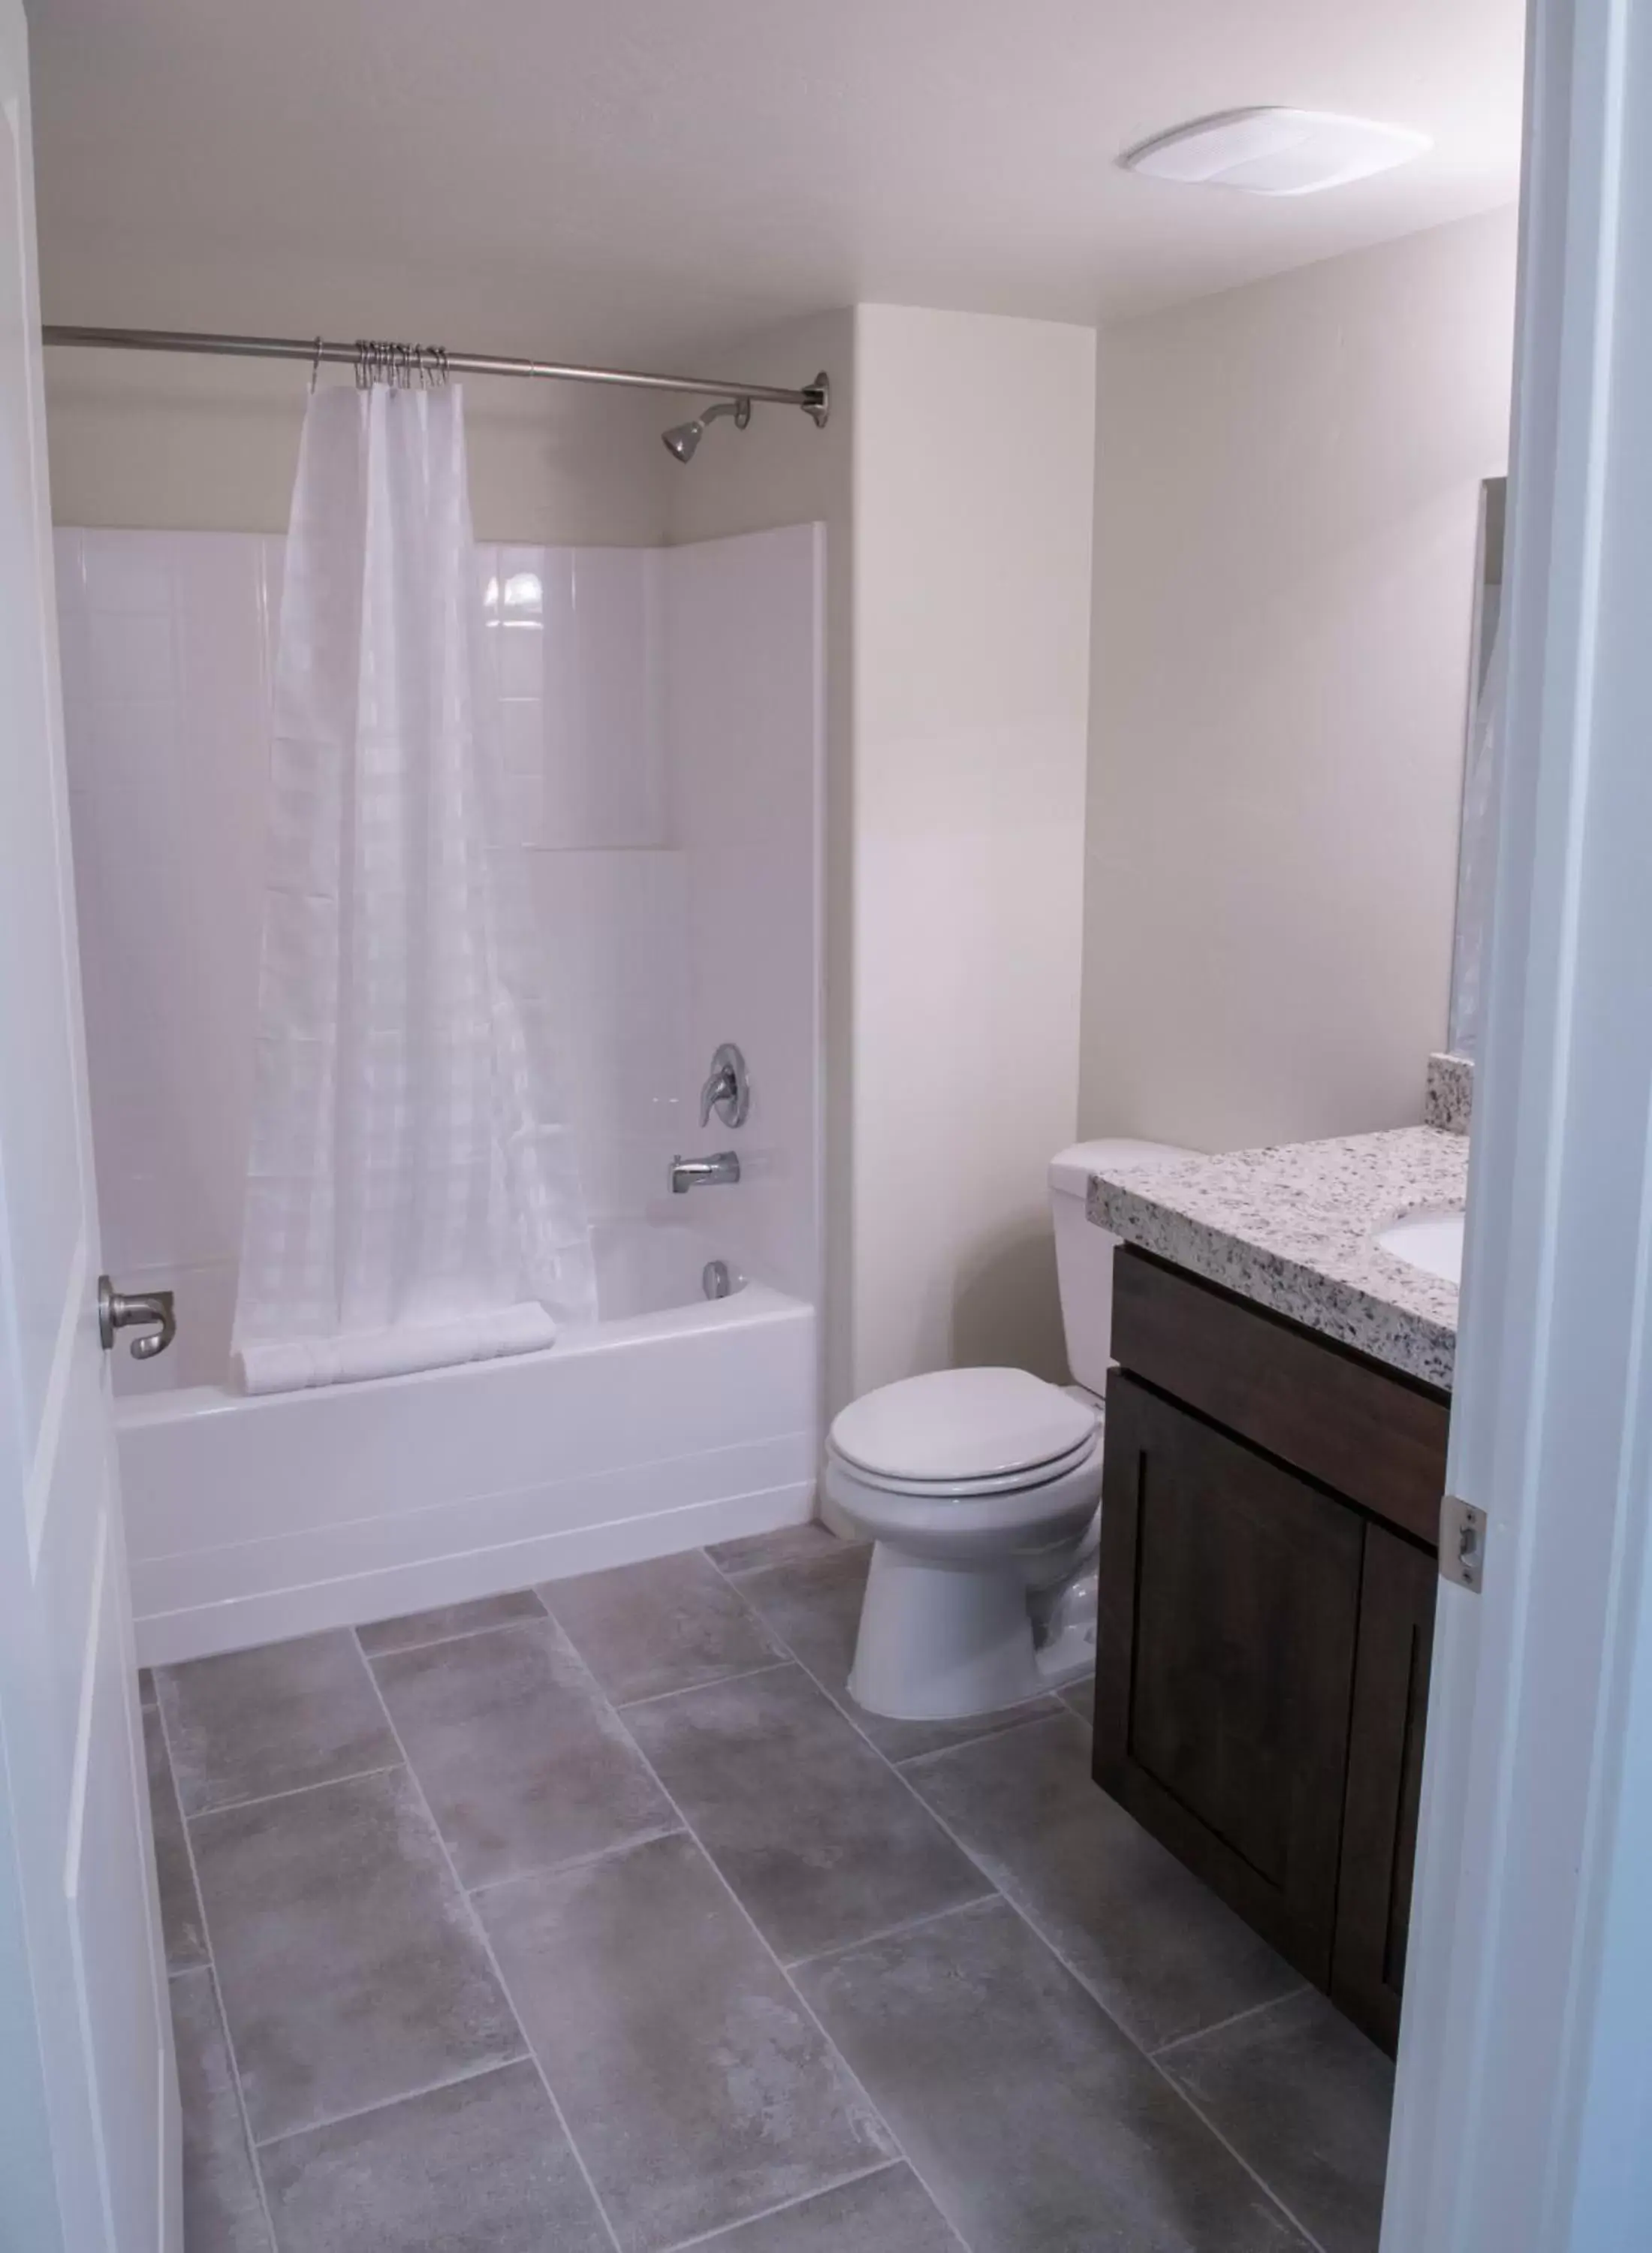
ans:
x=673 y=1421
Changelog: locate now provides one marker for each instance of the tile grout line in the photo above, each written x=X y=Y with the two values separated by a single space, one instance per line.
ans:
x=1220 y=2025
x=575 y=1862
x=459 y=1635
x=405 y=2096
x=1027 y=1720
x=1238 y=2157
x=803 y=2002
x=735 y=1574
x=687 y=1689
x=1045 y=1941
x=292 y=1791
x=481 y=1932
x=731 y=2229
x=217 y=1993
x=889 y=1932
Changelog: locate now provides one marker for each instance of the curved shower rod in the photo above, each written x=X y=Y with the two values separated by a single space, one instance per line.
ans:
x=815 y=398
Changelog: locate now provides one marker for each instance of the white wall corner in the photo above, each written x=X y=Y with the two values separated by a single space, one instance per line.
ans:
x=973 y=477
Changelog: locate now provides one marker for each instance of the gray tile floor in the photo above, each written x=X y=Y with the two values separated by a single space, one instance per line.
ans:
x=598 y=1919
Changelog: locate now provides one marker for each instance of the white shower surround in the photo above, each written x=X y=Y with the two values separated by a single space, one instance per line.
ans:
x=664 y=729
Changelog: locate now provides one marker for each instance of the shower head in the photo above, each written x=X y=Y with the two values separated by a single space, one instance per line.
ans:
x=682 y=438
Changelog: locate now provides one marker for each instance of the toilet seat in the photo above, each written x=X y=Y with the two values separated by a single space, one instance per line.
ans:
x=957 y=1433
x=966 y=1490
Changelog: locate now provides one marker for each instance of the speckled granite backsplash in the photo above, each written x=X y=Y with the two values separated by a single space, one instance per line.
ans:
x=1448 y=1101
x=1294 y=1229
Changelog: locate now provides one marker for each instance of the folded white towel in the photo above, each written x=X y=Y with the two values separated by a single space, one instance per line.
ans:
x=289 y=1364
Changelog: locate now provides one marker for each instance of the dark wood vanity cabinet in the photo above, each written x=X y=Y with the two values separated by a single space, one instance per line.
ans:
x=1266 y=1609
x=1398 y=1586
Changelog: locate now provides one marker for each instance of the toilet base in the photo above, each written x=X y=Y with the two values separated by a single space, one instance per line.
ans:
x=939 y=1642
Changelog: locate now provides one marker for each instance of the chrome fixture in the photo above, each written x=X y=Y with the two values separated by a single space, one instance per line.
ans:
x=123 y=1310
x=689 y=1173
x=682 y=438
x=728 y=1090
x=815 y=398
x=714 y=1280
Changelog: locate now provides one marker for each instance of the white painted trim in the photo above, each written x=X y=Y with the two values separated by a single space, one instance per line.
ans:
x=1524 y=2118
x=85 y=1710
x=38 y=1492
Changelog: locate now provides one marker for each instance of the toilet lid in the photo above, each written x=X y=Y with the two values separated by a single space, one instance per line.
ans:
x=959 y=1424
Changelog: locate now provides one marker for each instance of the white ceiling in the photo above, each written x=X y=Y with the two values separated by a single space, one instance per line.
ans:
x=645 y=177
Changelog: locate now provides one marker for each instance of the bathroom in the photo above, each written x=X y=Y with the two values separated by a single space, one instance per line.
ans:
x=1009 y=771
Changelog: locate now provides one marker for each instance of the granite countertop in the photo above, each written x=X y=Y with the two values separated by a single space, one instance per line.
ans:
x=1292 y=1228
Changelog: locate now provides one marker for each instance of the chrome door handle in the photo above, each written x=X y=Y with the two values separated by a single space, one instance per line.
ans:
x=121 y=1310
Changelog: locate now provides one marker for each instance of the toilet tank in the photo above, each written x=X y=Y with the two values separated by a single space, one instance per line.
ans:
x=1083 y=1253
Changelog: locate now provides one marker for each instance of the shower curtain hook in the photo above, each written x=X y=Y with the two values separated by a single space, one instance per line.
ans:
x=315 y=365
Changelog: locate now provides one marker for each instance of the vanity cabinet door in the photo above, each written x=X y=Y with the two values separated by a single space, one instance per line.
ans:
x=1230 y=1604
x=1384 y=1782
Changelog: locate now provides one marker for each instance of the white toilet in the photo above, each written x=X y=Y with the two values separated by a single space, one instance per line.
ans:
x=981 y=1488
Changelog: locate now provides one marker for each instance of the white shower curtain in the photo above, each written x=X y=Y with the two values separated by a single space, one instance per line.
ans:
x=413 y=1194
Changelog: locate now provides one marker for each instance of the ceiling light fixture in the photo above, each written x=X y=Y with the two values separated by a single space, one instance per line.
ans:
x=1275 y=152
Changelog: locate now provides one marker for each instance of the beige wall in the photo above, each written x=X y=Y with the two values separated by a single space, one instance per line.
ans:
x=954 y=480
x=1287 y=493
x=972 y=482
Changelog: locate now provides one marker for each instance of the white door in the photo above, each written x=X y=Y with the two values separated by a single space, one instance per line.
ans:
x=88 y=2106
x=1522 y=2120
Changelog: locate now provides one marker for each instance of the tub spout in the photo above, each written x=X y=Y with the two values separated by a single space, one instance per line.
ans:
x=687 y=1173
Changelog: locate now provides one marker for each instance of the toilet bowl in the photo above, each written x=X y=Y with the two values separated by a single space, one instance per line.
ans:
x=981 y=1488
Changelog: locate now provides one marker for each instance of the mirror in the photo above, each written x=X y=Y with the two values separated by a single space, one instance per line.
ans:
x=1474 y=848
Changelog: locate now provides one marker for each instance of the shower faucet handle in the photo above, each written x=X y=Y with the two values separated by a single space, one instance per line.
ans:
x=121 y=1310
x=728 y=1090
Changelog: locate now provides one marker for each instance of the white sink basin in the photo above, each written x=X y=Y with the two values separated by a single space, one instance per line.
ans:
x=1432 y=1241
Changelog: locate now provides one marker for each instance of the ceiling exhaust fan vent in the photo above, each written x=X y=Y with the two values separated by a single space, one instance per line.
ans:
x=1275 y=152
